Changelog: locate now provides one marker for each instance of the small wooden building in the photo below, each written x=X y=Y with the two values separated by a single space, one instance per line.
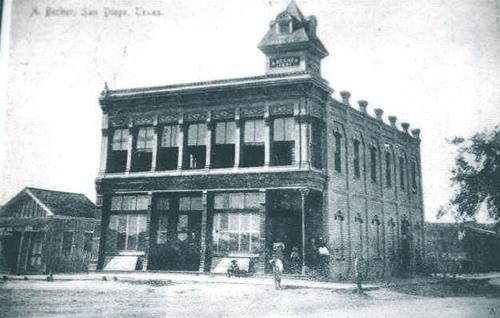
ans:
x=466 y=247
x=44 y=231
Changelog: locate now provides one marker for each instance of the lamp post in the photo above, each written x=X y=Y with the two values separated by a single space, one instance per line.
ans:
x=304 y=192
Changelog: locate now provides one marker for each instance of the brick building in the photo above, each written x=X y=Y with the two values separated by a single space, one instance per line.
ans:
x=194 y=174
x=44 y=231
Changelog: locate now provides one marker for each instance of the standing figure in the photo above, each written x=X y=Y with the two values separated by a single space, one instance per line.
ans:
x=324 y=259
x=313 y=256
x=295 y=260
x=277 y=266
x=358 y=272
x=279 y=249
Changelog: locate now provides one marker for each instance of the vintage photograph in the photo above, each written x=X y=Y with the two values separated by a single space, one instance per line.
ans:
x=268 y=158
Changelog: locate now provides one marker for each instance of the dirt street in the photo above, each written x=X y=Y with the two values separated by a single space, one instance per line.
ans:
x=167 y=299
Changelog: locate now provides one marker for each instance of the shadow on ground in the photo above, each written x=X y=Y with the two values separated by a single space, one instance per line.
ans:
x=451 y=288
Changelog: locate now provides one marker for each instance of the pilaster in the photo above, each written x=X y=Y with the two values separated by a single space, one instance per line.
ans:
x=104 y=151
x=267 y=134
x=203 y=234
x=237 y=139
x=156 y=138
x=130 y=148
x=261 y=264
x=180 y=144
x=208 y=142
x=148 y=231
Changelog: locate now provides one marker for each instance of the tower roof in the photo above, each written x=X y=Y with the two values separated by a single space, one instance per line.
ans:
x=299 y=32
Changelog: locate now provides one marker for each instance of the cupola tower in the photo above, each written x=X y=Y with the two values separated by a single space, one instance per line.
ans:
x=291 y=44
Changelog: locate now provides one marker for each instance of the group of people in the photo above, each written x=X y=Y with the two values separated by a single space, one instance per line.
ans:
x=318 y=261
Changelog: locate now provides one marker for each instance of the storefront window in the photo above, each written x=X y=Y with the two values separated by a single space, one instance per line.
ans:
x=127 y=224
x=129 y=232
x=236 y=223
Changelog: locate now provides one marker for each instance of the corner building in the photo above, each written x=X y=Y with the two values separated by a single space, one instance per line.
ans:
x=194 y=175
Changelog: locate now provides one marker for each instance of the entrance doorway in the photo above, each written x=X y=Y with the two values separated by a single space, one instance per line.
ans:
x=176 y=234
x=284 y=224
x=35 y=251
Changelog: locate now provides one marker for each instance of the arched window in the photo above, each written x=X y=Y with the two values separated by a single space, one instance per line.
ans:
x=338 y=152
x=388 y=169
x=373 y=163
x=356 y=162
x=413 y=168
x=402 y=173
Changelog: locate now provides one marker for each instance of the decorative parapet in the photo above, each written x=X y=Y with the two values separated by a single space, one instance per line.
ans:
x=345 y=97
x=416 y=133
x=378 y=113
x=363 y=105
x=392 y=121
x=405 y=127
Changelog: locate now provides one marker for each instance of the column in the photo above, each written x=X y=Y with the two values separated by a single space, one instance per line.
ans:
x=104 y=151
x=267 y=141
x=130 y=148
x=298 y=135
x=208 y=142
x=304 y=140
x=106 y=202
x=180 y=144
x=148 y=231
x=237 y=139
x=304 y=192
x=203 y=234
x=261 y=264
x=20 y=253
x=156 y=143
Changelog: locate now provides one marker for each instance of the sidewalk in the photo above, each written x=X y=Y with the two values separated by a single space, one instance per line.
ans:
x=265 y=280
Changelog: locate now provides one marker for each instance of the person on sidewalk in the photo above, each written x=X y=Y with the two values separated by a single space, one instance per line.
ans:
x=295 y=260
x=234 y=269
x=358 y=272
x=324 y=259
x=277 y=266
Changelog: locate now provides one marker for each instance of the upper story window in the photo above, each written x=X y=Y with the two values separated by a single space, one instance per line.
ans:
x=168 y=151
x=283 y=148
x=338 y=152
x=195 y=157
x=388 y=168
x=413 y=175
x=143 y=152
x=223 y=150
x=316 y=145
x=373 y=163
x=253 y=143
x=402 y=173
x=117 y=158
x=356 y=161
x=284 y=25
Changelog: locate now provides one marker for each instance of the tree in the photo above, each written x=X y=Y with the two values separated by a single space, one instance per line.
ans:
x=476 y=175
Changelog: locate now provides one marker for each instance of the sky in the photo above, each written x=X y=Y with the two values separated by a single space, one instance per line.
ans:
x=432 y=63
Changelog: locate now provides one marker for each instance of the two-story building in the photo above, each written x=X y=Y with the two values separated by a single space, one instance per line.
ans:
x=194 y=174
